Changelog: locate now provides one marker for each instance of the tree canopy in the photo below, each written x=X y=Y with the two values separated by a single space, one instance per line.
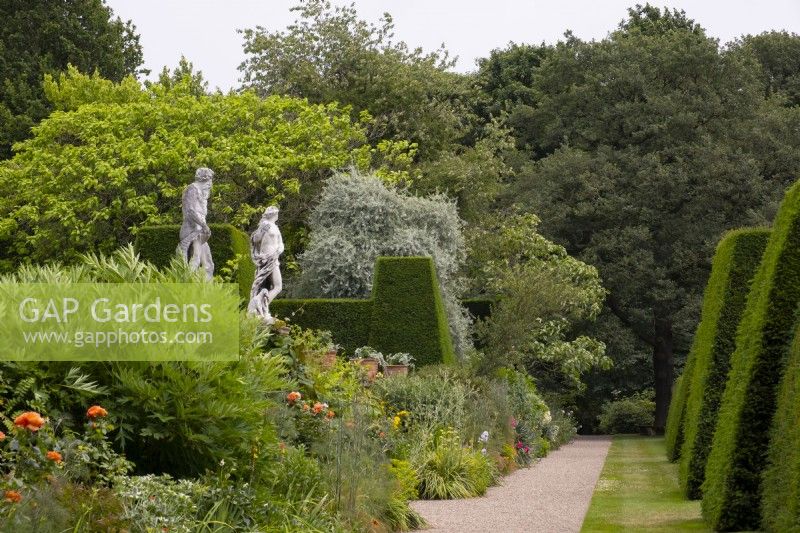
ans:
x=116 y=156
x=38 y=38
x=640 y=157
x=331 y=55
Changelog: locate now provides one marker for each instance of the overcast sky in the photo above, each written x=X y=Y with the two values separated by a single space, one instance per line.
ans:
x=205 y=30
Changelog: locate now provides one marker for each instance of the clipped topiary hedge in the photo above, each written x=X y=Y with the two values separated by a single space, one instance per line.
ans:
x=731 y=491
x=735 y=262
x=230 y=248
x=408 y=314
x=348 y=319
x=673 y=433
x=404 y=314
x=781 y=482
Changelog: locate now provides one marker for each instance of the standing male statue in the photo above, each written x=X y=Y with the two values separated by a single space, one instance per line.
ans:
x=194 y=230
x=266 y=245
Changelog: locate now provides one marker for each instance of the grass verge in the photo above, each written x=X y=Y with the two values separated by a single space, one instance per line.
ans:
x=638 y=491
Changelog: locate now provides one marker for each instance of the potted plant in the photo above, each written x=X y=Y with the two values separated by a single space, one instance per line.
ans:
x=329 y=358
x=370 y=359
x=397 y=364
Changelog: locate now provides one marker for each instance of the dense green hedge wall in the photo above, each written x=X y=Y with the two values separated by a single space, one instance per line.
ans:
x=404 y=314
x=731 y=491
x=348 y=319
x=157 y=244
x=408 y=314
x=673 y=434
x=781 y=483
x=738 y=256
x=479 y=308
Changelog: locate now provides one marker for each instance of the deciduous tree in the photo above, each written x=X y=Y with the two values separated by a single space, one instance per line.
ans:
x=41 y=37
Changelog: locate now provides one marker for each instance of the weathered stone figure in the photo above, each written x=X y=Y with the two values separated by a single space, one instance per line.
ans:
x=194 y=230
x=266 y=246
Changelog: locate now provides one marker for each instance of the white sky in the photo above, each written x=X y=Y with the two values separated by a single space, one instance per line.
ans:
x=205 y=30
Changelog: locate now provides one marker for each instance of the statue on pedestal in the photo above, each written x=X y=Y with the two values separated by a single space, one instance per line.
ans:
x=266 y=246
x=195 y=232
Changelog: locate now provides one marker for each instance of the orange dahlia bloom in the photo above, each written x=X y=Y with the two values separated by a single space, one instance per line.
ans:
x=293 y=396
x=29 y=420
x=2 y=436
x=13 y=496
x=317 y=409
x=330 y=414
x=96 y=411
x=54 y=456
x=306 y=407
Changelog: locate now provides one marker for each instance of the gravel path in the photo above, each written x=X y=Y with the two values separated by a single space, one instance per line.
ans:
x=550 y=497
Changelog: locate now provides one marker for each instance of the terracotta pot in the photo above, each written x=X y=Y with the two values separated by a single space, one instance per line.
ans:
x=371 y=364
x=395 y=370
x=329 y=359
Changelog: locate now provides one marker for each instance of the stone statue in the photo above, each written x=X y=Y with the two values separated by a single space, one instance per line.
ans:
x=194 y=230
x=266 y=246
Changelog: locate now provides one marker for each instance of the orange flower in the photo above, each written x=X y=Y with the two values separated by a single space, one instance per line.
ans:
x=293 y=396
x=306 y=407
x=13 y=496
x=96 y=411
x=330 y=414
x=29 y=420
x=54 y=456
x=2 y=436
x=317 y=409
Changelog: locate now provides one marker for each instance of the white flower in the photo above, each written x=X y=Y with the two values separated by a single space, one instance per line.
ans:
x=548 y=417
x=483 y=451
x=484 y=437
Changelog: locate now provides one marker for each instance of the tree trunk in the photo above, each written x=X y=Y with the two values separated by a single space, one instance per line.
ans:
x=662 y=370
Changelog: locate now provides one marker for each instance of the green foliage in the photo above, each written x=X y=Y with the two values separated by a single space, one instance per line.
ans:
x=59 y=506
x=358 y=218
x=43 y=39
x=449 y=471
x=638 y=160
x=400 y=516
x=179 y=418
x=545 y=296
x=159 y=502
x=93 y=174
x=628 y=415
x=473 y=175
x=408 y=314
x=673 y=434
x=330 y=55
x=348 y=319
x=778 y=52
x=435 y=399
x=780 y=508
x=731 y=491
x=479 y=308
x=230 y=249
x=405 y=313
x=735 y=262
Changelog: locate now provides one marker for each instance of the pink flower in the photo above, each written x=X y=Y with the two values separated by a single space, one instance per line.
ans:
x=513 y=422
x=519 y=444
x=527 y=450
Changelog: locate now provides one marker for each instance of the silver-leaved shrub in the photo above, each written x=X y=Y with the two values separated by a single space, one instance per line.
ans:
x=359 y=218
